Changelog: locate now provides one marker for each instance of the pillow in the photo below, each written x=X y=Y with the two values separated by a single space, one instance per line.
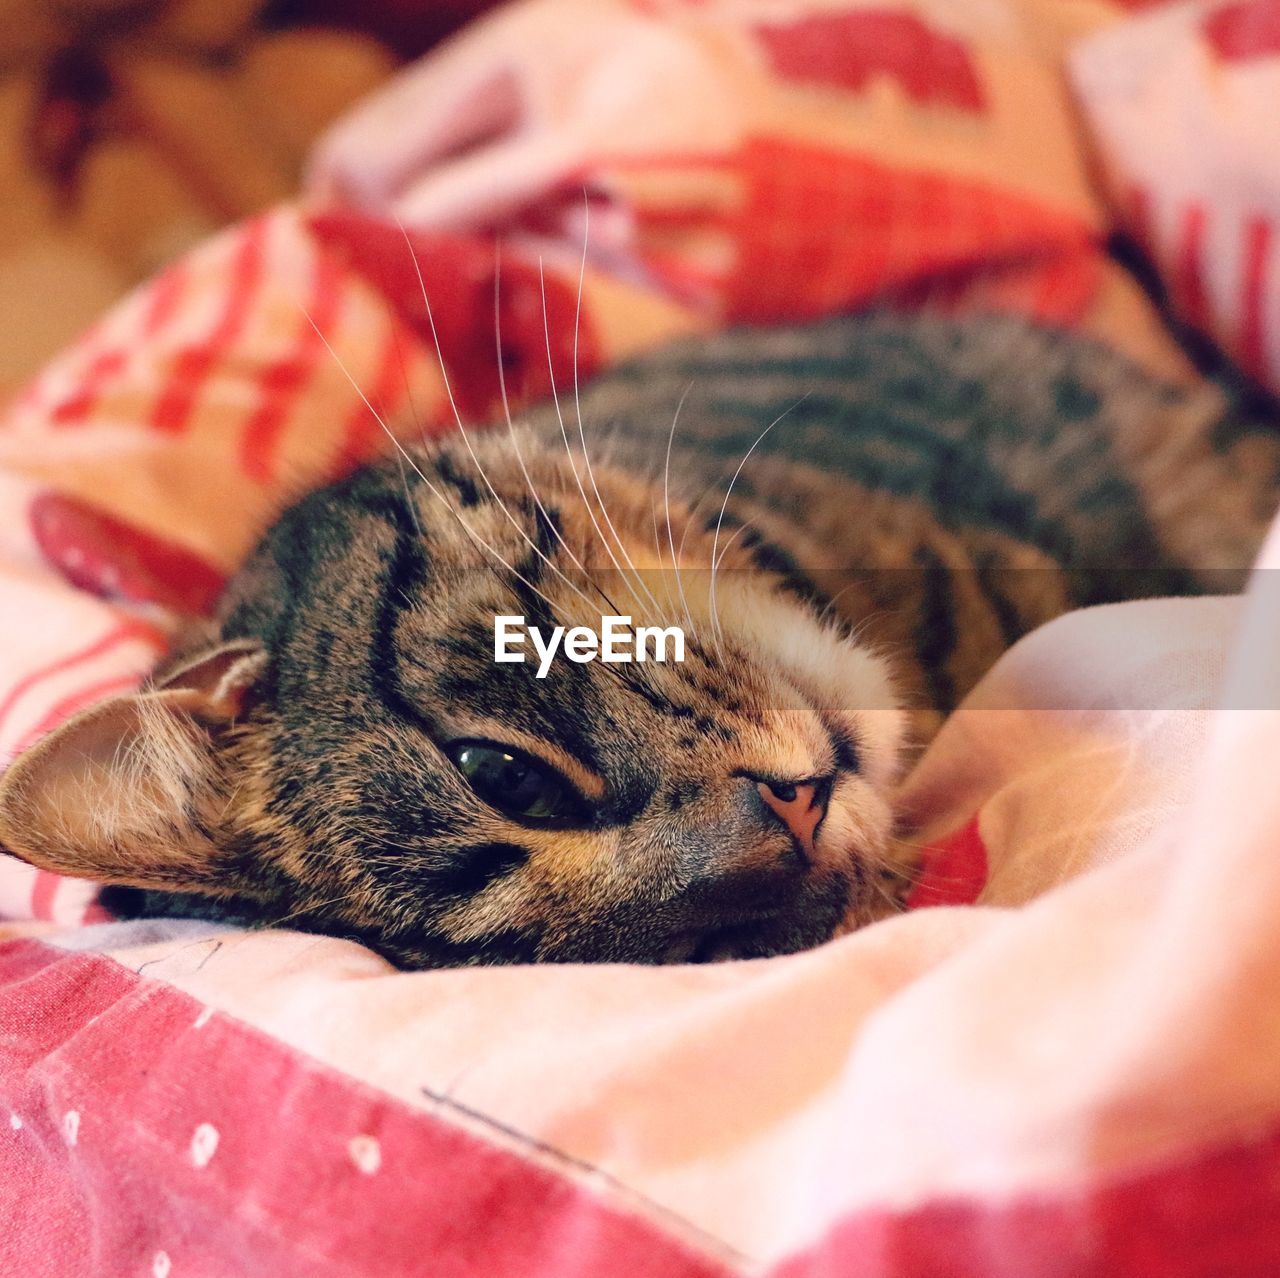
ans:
x=1181 y=102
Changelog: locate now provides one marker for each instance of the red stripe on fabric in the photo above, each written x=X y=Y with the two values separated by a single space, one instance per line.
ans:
x=164 y=295
x=193 y=364
x=279 y=383
x=1245 y=31
x=95 y=912
x=362 y=434
x=858 y=229
x=128 y=629
x=77 y=406
x=43 y=891
x=850 y=50
x=678 y=218
x=44 y=902
x=240 y=1160
x=78 y=700
x=459 y=272
x=1208 y=1215
x=1253 y=331
x=1065 y=289
x=114 y=559
x=1188 y=272
x=166 y=292
x=694 y=284
x=953 y=871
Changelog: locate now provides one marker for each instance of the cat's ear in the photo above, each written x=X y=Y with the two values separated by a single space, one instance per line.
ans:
x=126 y=791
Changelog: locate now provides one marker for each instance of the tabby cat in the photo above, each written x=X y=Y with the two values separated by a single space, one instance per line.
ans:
x=863 y=513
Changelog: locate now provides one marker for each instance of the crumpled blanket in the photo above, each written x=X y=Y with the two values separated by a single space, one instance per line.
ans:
x=1074 y=1076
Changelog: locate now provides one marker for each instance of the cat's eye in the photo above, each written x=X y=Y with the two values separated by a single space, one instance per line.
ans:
x=515 y=783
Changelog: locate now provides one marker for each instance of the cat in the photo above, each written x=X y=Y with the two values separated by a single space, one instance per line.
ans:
x=865 y=512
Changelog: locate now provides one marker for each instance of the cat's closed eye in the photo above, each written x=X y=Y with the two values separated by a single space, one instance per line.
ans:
x=515 y=783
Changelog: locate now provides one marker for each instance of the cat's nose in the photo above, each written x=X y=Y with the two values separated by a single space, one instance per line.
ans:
x=799 y=805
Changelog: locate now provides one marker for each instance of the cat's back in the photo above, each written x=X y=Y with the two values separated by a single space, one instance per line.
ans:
x=988 y=422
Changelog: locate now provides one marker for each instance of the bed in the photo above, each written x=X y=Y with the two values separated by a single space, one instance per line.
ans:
x=1062 y=1061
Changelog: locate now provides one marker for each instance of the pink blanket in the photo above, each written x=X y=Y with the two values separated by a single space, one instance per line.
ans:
x=1077 y=1076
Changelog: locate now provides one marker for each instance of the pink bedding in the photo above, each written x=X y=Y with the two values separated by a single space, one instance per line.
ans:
x=1076 y=1076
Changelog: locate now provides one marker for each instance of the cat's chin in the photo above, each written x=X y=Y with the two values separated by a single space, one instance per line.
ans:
x=718 y=945
x=815 y=918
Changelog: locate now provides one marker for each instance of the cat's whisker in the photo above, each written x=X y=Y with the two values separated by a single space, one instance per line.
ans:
x=657 y=538
x=476 y=539
x=408 y=499
x=684 y=536
x=666 y=505
x=893 y=902
x=577 y=398
x=466 y=437
x=568 y=448
x=417 y=418
x=515 y=441
x=911 y=865
x=715 y=564
x=737 y=532
x=724 y=506
x=668 y=602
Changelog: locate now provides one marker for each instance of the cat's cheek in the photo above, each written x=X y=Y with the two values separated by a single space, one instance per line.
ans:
x=855 y=833
x=881 y=737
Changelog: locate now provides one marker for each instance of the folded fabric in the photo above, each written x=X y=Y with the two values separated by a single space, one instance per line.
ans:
x=1004 y=1086
x=802 y=159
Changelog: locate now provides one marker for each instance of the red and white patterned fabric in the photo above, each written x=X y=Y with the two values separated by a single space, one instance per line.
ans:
x=1076 y=1077
x=1183 y=103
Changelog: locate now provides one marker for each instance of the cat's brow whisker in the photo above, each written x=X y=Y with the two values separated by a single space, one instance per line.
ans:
x=462 y=430
x=568 y=450
x=715 y=564
x=724 y=550
x=564 y=435
x=724 y=505
x=408 y=499
x=666 y=505
x=515 y=442
x=657 y=537
x=417 y=417
x=660 y=552
x=477 y=540
x=688 y=528
x=577 y=397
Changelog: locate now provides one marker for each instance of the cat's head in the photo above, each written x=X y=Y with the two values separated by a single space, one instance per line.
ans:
x=342 y=752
